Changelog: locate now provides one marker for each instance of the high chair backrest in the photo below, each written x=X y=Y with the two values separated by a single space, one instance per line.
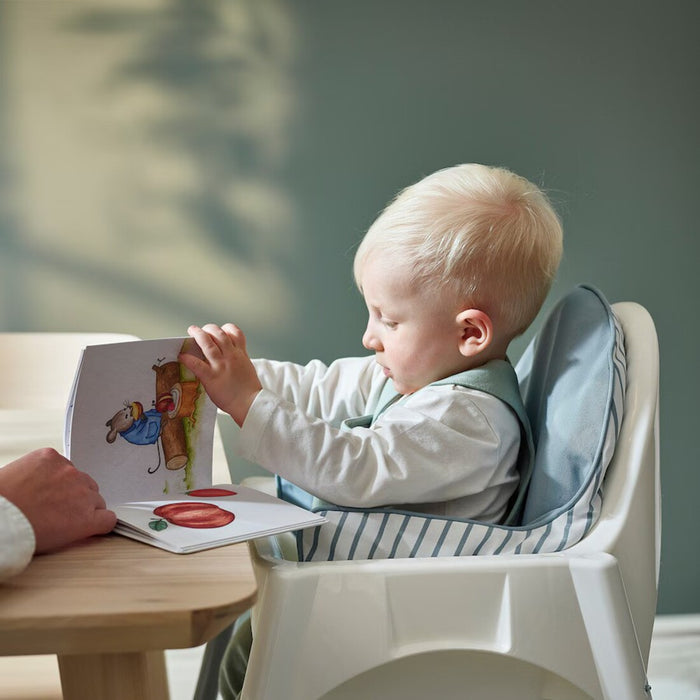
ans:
x=567 y=381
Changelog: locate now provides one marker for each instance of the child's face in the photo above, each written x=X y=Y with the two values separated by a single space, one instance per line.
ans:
x=414 y=335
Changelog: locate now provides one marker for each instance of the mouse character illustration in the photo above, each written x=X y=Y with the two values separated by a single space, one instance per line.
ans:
x=163 y=424
x=135 y=425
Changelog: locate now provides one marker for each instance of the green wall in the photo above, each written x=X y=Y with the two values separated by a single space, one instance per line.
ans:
x=596 y=101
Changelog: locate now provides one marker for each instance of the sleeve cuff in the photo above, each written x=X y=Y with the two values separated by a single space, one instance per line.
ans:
x=255 y=423
x=17 y=541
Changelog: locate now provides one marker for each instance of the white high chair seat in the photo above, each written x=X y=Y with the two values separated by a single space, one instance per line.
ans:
x=565 y=625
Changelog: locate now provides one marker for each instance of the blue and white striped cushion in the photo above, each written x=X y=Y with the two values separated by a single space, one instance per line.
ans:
x=386 y=533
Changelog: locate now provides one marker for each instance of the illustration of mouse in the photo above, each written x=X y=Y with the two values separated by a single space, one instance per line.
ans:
x=135 y=425
x=163 y=424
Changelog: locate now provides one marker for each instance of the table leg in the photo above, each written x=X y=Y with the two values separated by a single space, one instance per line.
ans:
x=137 y=676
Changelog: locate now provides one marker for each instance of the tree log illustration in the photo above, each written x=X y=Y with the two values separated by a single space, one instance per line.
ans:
x=172 y=431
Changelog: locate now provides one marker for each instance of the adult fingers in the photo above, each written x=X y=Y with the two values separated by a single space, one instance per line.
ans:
x=90 y=482
x=99 y=501
x=104 y=521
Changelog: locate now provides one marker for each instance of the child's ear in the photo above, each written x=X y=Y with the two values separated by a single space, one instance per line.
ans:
x=475 y=332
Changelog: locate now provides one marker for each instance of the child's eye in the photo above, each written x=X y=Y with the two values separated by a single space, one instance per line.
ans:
x=390 y=324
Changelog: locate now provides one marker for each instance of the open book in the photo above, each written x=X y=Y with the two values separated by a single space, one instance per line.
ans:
x=143 y=427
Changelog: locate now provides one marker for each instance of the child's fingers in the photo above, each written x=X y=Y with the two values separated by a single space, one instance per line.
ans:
x=196 y=365
x=207 y=340
x=210 y=351
x=235 y=334
x=227 y=338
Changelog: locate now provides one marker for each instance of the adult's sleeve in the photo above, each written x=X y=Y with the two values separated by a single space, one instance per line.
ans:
x=17 y=540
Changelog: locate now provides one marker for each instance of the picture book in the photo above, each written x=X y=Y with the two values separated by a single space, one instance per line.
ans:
x=143 y=427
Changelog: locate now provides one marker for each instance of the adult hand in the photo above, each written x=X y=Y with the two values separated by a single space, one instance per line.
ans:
x=225 y=370
x=62 y=503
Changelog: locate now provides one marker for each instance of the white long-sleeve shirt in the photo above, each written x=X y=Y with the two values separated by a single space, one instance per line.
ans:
x=16 y=540
x=446 y=450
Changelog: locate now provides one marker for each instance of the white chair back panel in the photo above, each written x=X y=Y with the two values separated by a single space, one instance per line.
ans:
x=37 y=369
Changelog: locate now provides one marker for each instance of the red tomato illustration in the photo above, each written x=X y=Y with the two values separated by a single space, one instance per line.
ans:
x=211 y=493
x=196 y=515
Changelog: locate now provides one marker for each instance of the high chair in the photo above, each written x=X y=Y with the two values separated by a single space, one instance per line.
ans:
x=569 y=620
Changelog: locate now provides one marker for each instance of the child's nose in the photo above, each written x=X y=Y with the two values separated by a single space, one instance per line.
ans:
x=370 y=341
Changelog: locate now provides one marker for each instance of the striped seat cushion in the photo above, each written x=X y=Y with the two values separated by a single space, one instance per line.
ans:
x=572 y=378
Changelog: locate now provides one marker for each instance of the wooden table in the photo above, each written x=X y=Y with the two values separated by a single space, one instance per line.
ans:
x=109 y=606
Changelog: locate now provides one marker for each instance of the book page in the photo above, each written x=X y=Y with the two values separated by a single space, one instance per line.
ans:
x=210 y=517
x=139 y=423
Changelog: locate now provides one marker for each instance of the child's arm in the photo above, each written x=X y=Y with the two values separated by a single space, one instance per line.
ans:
x=343 y=389
x=227 y=373
x=436 y=446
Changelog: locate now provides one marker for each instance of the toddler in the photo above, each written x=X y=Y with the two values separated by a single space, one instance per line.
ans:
x=453 y=269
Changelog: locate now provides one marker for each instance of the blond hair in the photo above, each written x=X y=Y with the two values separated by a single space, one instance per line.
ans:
x=483 y=233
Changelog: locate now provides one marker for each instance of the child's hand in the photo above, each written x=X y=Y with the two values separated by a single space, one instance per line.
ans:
x=226 y=371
